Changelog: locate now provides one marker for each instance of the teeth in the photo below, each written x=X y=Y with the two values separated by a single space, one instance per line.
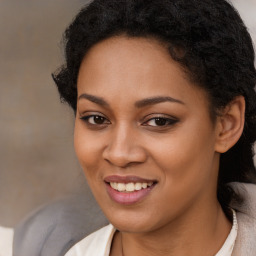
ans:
x=138 y=186
x=144 y=185
x=130 y=187
x=121 y=187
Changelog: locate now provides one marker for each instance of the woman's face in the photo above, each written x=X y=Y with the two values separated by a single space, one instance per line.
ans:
x=144 y=136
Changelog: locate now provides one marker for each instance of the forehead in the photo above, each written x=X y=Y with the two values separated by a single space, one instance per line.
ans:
x=123 y=56
x=132 y=69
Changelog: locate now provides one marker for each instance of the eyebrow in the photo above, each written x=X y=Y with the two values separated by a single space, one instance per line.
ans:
x=95 y=99
x=156 y=100
x=139 y=104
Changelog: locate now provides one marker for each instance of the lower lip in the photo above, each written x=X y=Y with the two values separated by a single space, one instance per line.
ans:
x=128 y=198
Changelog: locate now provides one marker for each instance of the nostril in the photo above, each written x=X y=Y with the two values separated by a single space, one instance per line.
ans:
x=121 y=160
x=124 y=156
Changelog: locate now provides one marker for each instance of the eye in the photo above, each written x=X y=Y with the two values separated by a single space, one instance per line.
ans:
x=160 y=121
x=95 y=119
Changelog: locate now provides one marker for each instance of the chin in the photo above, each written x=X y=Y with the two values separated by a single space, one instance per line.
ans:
x=133 y=221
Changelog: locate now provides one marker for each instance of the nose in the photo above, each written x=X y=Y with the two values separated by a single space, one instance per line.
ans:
x=123 y=148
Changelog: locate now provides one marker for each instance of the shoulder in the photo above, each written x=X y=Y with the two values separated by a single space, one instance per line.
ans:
x=62 y=224
x=6 y=237
x=248 y=193
x=96 y=244
x=246 y=218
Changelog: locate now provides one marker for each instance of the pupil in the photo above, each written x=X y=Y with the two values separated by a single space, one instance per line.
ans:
x=98 y=120
x=160 y=121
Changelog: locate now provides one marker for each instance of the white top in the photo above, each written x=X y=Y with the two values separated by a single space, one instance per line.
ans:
x=99 y=242
x=6 y=237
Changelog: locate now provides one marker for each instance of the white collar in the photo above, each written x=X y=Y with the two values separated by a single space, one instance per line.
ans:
x=227 y=248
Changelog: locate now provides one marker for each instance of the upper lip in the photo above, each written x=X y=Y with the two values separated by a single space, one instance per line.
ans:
x=127 y=179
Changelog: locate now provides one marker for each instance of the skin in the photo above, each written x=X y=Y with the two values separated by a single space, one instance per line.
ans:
x=181 y=156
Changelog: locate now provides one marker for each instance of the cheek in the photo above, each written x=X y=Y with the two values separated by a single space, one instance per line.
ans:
x=187 y=170
x=186 y=156
x=87 y=148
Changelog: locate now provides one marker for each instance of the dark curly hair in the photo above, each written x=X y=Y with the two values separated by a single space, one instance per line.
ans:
x=217 y=54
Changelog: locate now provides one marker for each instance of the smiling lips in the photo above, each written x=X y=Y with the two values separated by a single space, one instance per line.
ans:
x=129 y=189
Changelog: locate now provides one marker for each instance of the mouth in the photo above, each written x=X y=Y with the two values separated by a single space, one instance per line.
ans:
x=129 y=189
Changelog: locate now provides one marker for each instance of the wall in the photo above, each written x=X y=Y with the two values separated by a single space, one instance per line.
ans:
x=37 y=162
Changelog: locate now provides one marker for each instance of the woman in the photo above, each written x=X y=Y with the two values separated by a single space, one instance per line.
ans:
x=163 y=93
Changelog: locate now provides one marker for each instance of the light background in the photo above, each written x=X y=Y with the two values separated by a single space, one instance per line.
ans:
x=37 y=160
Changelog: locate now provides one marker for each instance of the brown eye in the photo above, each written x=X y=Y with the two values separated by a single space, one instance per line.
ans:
x=95 y=119
x=160 y=121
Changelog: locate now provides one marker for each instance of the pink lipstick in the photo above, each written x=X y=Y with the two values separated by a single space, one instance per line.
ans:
x=128 y=190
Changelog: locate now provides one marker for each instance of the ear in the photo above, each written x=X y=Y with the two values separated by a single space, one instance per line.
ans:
x=230 y=125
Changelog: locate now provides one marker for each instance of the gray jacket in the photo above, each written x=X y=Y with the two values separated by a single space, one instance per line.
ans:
x=54 y=229
x=246 y=217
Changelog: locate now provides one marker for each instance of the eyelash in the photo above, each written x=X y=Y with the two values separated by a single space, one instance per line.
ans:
x=87 y=118
x=167 y=121
x=164 y=121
